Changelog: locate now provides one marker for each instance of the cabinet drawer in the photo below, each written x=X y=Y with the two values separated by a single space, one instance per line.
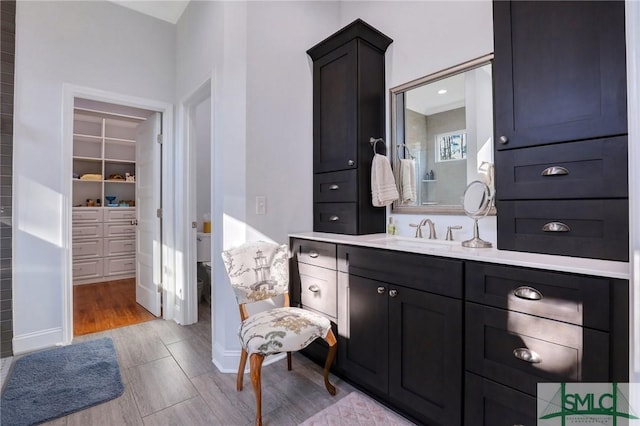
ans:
x=87 y=230
x=119 y=246
x=84 y=214
x=565 y=352
x=420 y=272
x=575 y=299
x=586 y=169
x=489 y=403
x=318 y=289
x=594 y=228
x=119 y=214
x=117 y=229
x=90 y=268
x=119 y=265
x=337 y=218
x=315 y=253
x=87 y=248
x=336 y=187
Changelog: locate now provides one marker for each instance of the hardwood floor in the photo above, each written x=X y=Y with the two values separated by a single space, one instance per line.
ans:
x=103 y=306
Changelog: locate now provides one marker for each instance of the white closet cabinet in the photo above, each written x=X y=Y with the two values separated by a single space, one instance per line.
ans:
x=104 y=246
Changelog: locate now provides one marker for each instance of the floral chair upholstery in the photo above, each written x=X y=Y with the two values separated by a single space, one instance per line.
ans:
x=259 y=271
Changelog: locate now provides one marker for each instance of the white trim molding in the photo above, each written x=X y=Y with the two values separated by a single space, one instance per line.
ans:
x=38 y=340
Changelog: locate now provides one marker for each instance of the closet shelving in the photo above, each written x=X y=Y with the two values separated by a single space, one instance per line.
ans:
x=103 y=146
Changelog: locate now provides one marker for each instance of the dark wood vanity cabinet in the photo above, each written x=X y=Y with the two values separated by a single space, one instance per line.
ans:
x=526 y=326
x=401 y=338
x=560 y=128
x=348 y=109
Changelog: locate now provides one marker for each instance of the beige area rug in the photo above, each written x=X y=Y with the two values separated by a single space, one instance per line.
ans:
x=356 y=409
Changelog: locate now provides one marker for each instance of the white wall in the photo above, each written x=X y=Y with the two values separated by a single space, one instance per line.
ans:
x=93 y=44
x=202 y=124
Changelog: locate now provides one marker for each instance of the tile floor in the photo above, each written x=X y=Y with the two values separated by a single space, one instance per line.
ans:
x=170 y=380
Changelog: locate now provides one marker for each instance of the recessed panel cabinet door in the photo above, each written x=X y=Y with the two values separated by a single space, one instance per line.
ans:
x=425 y=355
x=335 y=112
x=559 y=71
x=363 y=341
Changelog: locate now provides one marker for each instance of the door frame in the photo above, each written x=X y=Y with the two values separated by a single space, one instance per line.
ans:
x=186 y=271
x=69 y=93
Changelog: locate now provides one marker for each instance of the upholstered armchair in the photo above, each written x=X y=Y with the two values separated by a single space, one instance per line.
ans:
x=259 y=271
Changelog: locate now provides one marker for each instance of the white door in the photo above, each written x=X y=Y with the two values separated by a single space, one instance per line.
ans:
x=148 y=236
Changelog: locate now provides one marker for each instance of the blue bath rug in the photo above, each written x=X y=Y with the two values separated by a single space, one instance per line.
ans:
x=46 y=385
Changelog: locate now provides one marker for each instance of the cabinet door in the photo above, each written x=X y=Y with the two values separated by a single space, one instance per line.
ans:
x=335 y=114
x=425 y=355
x=559 y=71
x=363 y=342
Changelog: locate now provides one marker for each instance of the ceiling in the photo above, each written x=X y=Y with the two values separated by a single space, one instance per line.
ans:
x=167 y=10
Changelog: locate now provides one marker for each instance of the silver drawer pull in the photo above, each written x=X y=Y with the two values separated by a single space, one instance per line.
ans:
x=527 y=293
x=314 y=288
x=334 y=187
x=555 y=171
x=333 y=218
x=351 y=162
x=503 y=139
x=380 y=290
x=527 y=355
x=313 y=253
x=393 y=293
x=555 y=227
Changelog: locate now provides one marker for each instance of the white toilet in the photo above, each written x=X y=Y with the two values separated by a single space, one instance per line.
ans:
x=203 y=255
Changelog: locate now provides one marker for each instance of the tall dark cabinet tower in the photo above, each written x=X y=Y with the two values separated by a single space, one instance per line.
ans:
x=561 y=128
x=348 y=109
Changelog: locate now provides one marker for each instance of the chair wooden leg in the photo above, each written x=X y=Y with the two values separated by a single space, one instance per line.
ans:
x=255 y=365
x=243 y=363
x=333 y=348
x=289 y=361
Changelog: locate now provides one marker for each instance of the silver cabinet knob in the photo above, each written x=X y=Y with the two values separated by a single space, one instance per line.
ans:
x=555 y=171
x=334 y=218
x=503 y=140
x=556 y=227
x=351 y=162
x=313 y=253
x=380 y=290
x=334 y=187
x=314 y=288
x=393 y=293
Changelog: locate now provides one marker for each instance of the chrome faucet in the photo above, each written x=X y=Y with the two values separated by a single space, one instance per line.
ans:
x=432 y=229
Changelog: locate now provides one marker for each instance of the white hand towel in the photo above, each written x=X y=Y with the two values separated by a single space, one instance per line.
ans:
x=407 y=180
x=383 y=184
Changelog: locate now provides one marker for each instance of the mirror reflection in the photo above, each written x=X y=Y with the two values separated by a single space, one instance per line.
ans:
x=442 y=137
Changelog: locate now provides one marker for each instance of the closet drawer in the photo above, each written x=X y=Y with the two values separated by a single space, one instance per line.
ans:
x=337 y=218
x=586 y=169
x=119 y=214
x=496 y=405
x=90 y=268
x=575 y=299
x=119 y=265
x=83 y=214
x=86 y=230
x=335 y=187
x=117 y=229
x=119 y=246
x=584 y=228
x=315 y=253
x=563 y=352
x=318 y=289
x=87 y=248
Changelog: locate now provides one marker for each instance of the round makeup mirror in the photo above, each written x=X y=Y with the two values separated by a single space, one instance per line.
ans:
x=476 y=205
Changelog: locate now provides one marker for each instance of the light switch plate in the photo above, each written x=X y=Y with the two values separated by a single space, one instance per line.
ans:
x=261 y=204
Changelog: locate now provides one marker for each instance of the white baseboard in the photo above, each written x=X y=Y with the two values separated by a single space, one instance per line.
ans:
x=39 y=340
x=226 y=361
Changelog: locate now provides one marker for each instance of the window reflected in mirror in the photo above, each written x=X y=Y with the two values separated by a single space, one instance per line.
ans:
x=442 y=137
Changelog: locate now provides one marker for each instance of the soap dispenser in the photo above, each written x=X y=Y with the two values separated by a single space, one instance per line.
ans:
x=391 y=228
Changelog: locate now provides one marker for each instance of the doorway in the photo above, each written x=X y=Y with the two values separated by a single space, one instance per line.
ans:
x=117 y=207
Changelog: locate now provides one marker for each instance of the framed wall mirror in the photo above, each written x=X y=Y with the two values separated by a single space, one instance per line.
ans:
x=442 y=137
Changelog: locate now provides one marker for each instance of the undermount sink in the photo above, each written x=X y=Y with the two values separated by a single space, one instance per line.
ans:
x=418 y=243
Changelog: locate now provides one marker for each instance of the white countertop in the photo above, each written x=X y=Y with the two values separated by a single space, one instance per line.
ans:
x=454 y=249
